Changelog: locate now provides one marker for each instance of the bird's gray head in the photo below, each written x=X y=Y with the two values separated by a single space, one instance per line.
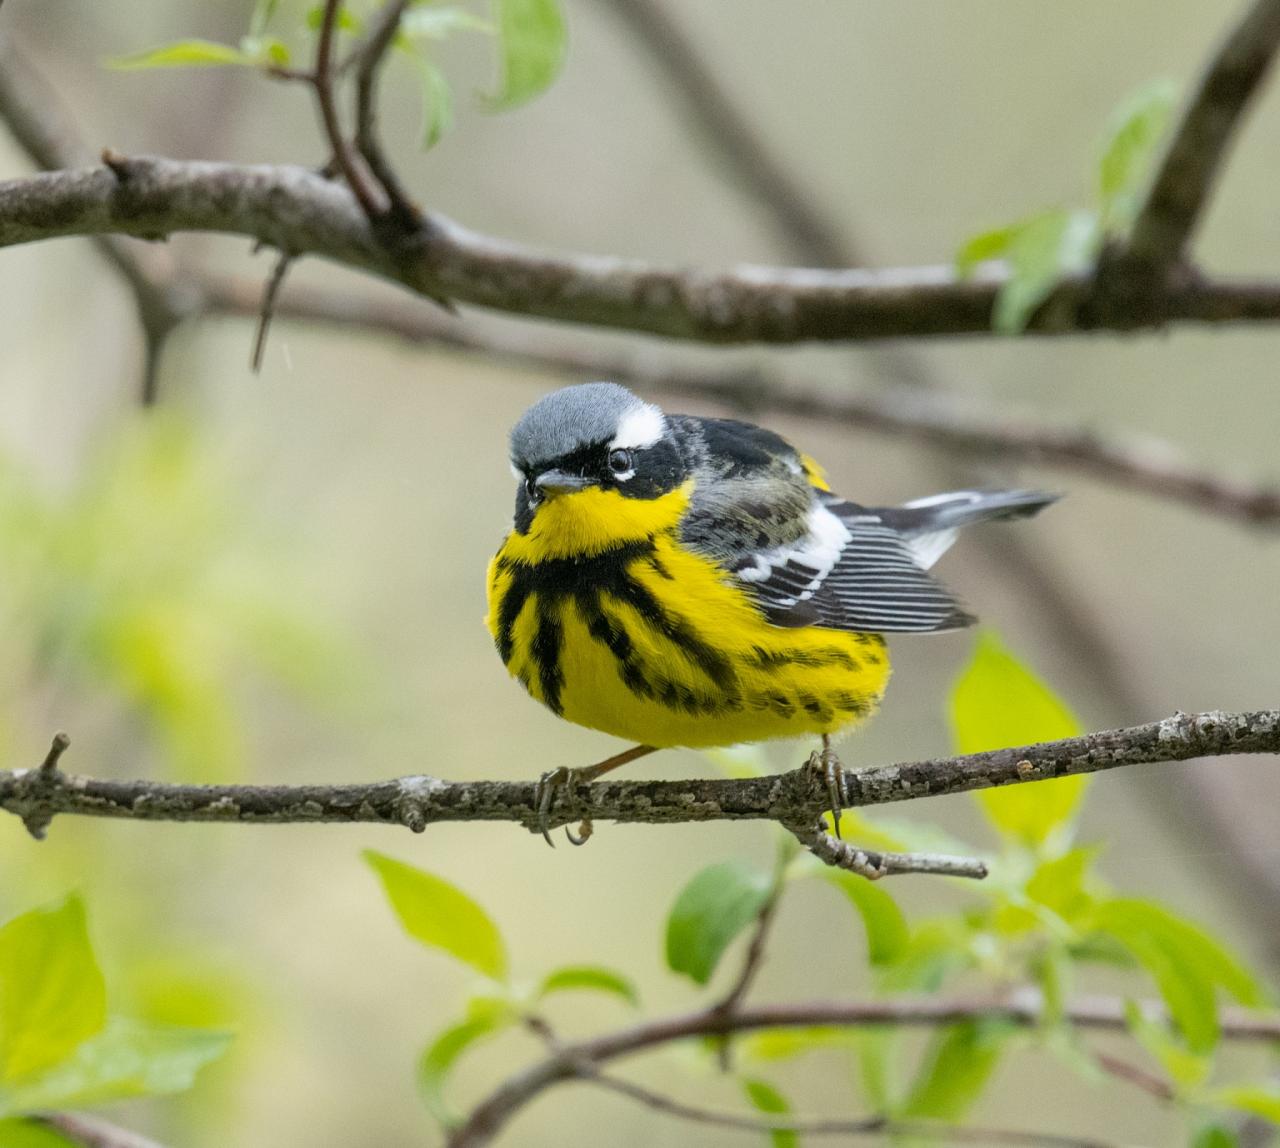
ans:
x=592 y=435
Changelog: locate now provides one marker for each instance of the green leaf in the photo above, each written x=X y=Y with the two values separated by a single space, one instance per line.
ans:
x=767 y=1099
x=442 y=1054
x=1186 y=963
x=31 y=1134
x=128 y=1058
x=1059 y=883
x=592 y=978
x=436 y=913
x=936 y=949
x=710 y=911
x=186 y=54
x=52 y=995
x=348 y=21
x=1041 y=251
x=785 y=1043
x=440 y=23
x=997 y=703
x=1214 y=1136
x=1187 y=1070
x=533 y=41
x=1257 y=1099
x=993 y=244
x=877 y=1068
x=887 y=930
x=437 y=105
x=957 y=1066
x=1136 y=132
x=266 y=50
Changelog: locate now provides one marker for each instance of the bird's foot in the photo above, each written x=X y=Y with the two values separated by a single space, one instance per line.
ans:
x=550 y=786
x=825 y=762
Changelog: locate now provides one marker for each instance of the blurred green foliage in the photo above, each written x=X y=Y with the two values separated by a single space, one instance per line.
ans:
x=147 y=583
x=59 y=1046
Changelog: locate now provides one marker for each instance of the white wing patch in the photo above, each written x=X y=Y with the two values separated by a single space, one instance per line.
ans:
x=795 y=571
x=641 y=426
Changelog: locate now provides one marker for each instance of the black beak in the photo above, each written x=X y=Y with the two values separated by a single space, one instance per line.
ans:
x=560 y=482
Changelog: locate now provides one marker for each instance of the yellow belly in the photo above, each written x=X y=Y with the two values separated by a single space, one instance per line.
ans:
x=661 y=647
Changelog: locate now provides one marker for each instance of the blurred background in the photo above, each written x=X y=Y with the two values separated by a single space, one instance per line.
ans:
x=280 y=578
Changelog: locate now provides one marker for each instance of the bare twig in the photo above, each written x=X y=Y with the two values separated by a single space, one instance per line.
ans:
x=402 y=210
x=1134 y=1074
x=1187 y=173
x=874 y=864
x=793 y=799
x=270 y=292
x=572 y=1060
x=93 y=1132
x=323 y=81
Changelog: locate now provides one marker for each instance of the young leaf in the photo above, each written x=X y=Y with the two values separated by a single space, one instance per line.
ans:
x=442 y=1053
x=986 y=245
x=1256 y=1099
x=876 y=1068
x=1187 y=1070
x=1060 y=883
x=771 y=1102
x=997 y=702
x=1186 y=963
x=957 y=1067
x=440 y=23
x=434 y=912
x=887 y=931
x=52 y=996
x=1136 y=132
x=437 y=105
x=785 y=1043
x=590 y=977
x=186 y=54
x=710 y=911
x=1041 y=252
x=1214 y=1136
x=533 y=40
x=30 y=1134
x=128 y=1058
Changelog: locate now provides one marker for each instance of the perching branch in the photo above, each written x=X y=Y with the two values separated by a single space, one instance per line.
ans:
x=1193 y=160
x=796 y=799
x=571 y=1061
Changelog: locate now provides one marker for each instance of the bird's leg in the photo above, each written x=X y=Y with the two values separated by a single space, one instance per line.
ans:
x=826 y=763
x=566 y=779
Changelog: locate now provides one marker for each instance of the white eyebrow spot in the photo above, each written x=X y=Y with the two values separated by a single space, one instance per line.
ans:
x=640 y=427
x=516 y=472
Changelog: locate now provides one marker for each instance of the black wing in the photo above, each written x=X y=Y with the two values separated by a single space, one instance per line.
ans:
x=851 y=571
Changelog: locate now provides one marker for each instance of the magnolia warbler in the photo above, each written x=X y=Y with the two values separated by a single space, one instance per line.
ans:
x=684 y=581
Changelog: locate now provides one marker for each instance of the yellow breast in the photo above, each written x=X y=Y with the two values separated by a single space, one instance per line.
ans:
x=624 y=630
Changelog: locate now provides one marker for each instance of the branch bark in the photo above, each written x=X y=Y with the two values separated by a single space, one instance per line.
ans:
x=796 y=798
x=297 y=211
x=569 y=1061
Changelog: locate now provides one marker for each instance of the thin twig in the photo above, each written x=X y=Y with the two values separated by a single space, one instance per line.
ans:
x=860 y=1126
x=1134 y=1074
x=323 y=81
x=1185 y=178
x=792 y=799
x=270 y=292
x=94 y=1132
x=1024 y=1008
x=381 y=35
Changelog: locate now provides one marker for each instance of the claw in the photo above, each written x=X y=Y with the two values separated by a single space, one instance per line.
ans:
x=585 y=829
x=544 y=793
x=825 y=762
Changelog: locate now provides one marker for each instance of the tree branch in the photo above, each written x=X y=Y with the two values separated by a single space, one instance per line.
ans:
x=1185 y=179
x=93 y=1132
x=570 y=1061
x=796 y=798
x=1147 y=465
x=299 y=212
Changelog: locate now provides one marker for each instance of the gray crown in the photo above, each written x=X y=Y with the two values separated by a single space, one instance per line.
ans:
x=569 y=419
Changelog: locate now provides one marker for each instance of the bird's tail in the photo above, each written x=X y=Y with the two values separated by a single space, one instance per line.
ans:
x=929 y=524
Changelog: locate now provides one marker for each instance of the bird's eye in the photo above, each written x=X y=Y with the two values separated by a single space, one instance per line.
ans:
x=531 y=489
x=620 y=461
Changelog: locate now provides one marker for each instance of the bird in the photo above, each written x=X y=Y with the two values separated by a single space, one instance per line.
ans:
x=677 y=580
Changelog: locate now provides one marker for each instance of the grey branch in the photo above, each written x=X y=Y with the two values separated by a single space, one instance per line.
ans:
x=1184 y=181
x=573 y=1061
x=794 y=799
x=297 y=211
